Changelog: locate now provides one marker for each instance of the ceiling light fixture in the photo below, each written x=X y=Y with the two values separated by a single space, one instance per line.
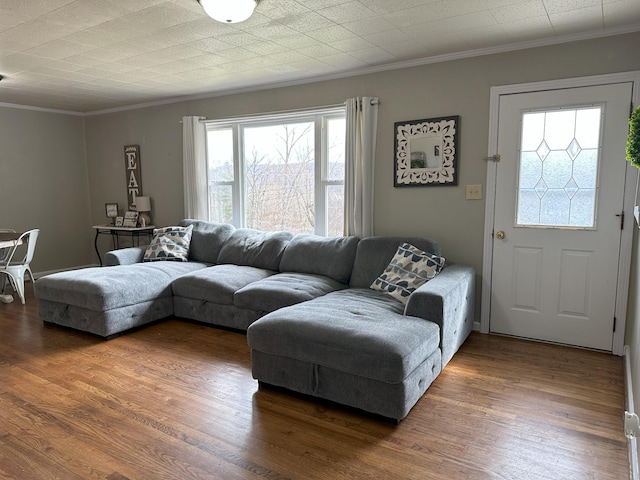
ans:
x=229 y=11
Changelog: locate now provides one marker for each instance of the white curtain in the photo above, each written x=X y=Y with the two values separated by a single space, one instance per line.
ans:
x=362 y=124
x=194 y=161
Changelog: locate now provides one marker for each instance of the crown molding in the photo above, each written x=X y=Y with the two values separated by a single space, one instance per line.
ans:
x=576 y=37
x=41 y=109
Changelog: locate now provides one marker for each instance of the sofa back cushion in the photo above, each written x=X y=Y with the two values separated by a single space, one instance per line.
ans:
x=374 y=254
x=255 y=248
x=207 y=239
x=328 y=256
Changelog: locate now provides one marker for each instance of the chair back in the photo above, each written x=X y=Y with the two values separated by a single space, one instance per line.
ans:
x=30 y=237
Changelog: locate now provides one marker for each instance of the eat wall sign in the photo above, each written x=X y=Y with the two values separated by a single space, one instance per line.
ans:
x=132 y=168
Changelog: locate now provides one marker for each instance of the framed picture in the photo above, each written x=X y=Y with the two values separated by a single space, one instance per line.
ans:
x=130 y=219
x=111 y=209
x=119 y=221
x=426 y=152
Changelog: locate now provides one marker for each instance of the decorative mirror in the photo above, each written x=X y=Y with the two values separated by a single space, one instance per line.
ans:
x=426 y=152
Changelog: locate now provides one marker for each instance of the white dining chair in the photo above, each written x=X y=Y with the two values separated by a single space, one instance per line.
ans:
x=15 y=269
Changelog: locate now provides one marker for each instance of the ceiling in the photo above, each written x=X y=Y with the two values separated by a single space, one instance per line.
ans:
x=97 y=55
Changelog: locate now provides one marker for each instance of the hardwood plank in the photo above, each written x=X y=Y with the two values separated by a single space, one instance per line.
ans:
x=176 y=400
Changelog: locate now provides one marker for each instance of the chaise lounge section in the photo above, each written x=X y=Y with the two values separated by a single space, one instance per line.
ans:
x=361 y=347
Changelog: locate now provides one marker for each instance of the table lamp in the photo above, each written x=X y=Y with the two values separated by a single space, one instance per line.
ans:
x=143 y=205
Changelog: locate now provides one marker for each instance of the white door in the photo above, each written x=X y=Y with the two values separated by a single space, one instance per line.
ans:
x=557 y=218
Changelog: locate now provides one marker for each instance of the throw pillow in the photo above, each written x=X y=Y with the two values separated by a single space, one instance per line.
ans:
x=409 y=268
x=169 y=243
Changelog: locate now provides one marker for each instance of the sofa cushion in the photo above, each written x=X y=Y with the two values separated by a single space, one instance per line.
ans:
x=169 y=243
x=374 y=254
x=104 y=288
x=207 y=239
x=247 y=246
x=284 y=289
x=218 y=283
x=357 y=331
x=328 y=256
x=409 y=268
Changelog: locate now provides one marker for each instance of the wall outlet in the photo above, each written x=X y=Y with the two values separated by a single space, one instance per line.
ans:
x=474 y=192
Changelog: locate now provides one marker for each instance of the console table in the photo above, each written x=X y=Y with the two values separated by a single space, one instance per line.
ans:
x=115 y=232
x=8 y=239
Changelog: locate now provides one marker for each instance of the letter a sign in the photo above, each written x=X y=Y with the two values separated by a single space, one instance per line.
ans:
x=132 y=168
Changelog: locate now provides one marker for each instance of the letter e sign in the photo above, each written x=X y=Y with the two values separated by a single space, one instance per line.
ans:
x=132 y=168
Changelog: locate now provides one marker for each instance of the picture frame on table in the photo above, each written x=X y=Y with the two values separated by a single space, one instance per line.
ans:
x=111 y=210
x=119 y=221
x=130 y=219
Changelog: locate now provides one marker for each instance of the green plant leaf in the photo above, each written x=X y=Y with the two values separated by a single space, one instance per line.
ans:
x=633 y=140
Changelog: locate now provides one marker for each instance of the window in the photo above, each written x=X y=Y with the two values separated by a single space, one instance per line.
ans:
x=278 y=172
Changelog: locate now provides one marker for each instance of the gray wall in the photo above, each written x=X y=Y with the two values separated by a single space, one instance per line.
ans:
x=43 y=184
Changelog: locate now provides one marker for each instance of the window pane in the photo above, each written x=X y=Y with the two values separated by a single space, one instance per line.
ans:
x=220 y=155
x=532 y=131
x=335 y=210
x=558 y=168
x=335 y=149
x=279 y=177
x=588 y=127
x=220 y=169
x=220 y=203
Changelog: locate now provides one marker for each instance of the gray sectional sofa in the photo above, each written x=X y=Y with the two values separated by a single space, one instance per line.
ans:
x=312 y=323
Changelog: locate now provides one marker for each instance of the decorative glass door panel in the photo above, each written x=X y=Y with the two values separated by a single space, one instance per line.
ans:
x=558 y=177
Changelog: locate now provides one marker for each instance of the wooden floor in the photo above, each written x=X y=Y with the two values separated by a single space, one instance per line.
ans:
x=176 y=401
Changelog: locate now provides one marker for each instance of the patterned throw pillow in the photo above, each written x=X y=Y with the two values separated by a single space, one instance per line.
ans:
x=409 y=268
x=169 y=243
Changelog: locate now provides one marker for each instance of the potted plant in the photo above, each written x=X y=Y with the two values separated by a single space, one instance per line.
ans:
x=633 y=140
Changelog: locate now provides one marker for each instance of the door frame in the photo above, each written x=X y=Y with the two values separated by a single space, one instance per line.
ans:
x=631 y=181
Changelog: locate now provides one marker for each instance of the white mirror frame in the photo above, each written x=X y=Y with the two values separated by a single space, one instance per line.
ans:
x=426 y=152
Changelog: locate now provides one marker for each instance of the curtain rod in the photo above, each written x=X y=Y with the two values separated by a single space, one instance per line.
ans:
x=374 y=101
x=277 y=112
x=199 y=118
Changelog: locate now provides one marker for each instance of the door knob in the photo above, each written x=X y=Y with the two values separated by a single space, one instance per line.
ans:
x=500 y=235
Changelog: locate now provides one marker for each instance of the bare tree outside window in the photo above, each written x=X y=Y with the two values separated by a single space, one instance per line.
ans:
x=280 y=179
x=221 y=176
x=336 y=128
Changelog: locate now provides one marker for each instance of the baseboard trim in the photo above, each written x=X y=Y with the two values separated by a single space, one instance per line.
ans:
x=634 y=472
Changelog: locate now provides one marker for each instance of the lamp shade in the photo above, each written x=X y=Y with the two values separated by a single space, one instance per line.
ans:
x=143 y=204
x=229 y=11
